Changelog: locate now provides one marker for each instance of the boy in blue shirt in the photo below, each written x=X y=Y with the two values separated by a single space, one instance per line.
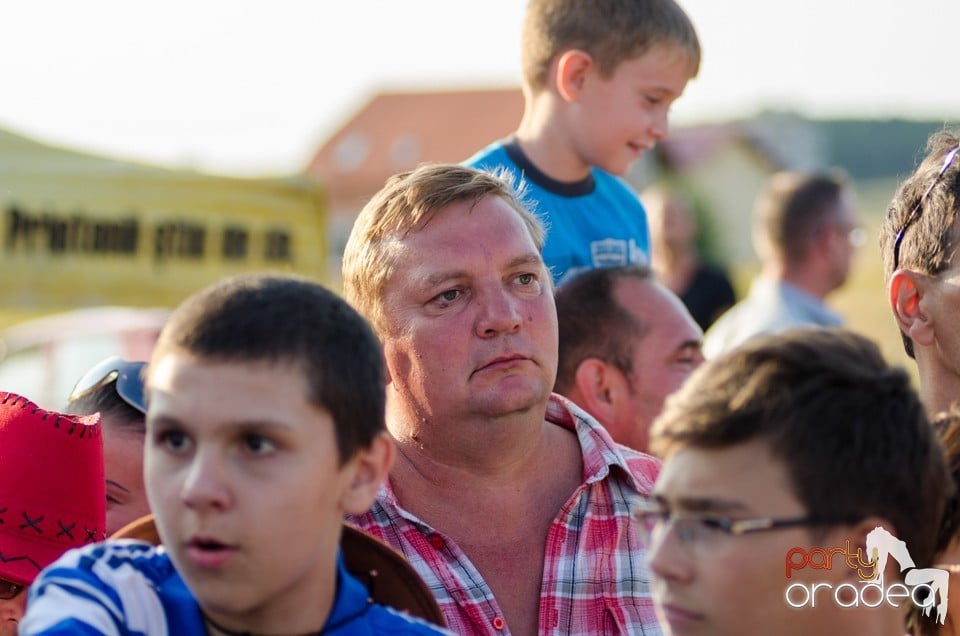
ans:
x=599 y=77
x=265 y=426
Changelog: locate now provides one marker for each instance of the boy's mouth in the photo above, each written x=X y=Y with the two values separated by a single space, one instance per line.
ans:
x=205 y=543
x=209 y=552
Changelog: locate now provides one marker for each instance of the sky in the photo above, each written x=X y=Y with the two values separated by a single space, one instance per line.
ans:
x=255 y=87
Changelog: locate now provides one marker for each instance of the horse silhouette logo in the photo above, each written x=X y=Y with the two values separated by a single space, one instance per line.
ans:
x=882 y=545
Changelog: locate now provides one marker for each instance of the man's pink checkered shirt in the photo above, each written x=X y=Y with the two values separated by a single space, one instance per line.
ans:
x=595 y=576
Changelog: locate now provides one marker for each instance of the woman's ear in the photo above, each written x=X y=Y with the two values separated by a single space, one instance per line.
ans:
x=571 y=73
x=367 y=470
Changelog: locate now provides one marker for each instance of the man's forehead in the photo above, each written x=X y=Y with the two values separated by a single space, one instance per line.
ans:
x=446 y=228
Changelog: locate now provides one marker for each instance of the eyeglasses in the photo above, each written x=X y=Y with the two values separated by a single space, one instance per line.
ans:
x=918 y=208
x=857 y=237
x=9 y=590
x=709 y=534
x=127 y=375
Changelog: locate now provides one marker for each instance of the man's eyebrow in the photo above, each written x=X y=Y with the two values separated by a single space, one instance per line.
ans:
x=531 y=258
x=702 y=504
x=436 y=278
x=441 y=277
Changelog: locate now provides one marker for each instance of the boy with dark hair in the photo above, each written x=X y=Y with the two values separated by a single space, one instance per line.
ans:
x=265 y=426
x=918 y=243
x=794 y=446
x=599 y=77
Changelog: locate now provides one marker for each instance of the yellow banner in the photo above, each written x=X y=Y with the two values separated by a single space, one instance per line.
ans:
x=80 y=230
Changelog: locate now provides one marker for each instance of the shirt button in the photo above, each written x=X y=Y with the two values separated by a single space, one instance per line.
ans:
x=436 y=541
x=498 y=623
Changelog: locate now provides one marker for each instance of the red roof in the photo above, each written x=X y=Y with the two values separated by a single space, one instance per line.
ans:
x=397 y=131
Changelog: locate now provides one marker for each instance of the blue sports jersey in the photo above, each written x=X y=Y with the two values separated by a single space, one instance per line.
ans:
x=596 y=222
x=131 y=588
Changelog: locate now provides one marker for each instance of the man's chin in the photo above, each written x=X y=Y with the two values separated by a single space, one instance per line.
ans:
x=513 y=402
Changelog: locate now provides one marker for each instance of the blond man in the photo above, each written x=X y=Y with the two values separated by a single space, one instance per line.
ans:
x=511 y=502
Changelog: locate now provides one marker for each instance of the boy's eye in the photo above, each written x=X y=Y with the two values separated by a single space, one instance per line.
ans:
x=173 y=441
x=258 y=444
x=713 y=524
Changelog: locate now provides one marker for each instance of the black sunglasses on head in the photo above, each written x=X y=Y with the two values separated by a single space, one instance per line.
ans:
x=127 y=375
x=917 y=210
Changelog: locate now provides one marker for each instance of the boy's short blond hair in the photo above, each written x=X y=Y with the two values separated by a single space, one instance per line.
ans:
x=611 y=31
x=406 y=204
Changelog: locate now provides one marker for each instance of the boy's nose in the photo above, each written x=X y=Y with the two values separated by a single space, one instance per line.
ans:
x=204 y=485
x=667 y=558
x=660 y=126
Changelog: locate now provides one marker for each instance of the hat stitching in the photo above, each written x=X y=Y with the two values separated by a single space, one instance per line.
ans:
x=33 y=524
x=65 y=530
x=20 y=558
x=24 y=403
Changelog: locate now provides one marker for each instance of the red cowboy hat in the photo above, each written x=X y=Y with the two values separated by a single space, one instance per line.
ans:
x=52 y=490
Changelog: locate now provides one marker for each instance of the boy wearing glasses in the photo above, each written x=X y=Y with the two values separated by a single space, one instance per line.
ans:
x=781 y=460
x=265 y=426
x=918 y=242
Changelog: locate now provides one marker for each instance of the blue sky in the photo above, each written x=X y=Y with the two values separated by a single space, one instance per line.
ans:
x=252 y=87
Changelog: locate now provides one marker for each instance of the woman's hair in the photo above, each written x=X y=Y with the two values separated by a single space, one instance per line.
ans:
x=113 y=408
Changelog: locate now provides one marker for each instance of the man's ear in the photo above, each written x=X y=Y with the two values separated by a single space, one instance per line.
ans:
x=572 y=69
x=599 y=385
x=367 y=471
x=864 y=565
x=906 y=291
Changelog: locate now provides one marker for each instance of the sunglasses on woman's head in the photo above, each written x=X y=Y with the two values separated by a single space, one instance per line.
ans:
x=127 y=375
x=917 y=210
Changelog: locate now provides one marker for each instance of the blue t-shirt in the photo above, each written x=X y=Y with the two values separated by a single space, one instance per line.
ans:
x=596 y=222
x=131 y=588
